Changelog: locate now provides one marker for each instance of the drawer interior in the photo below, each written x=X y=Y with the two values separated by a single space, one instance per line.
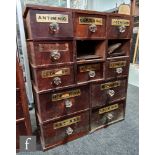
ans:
x=118 y=47
x=90 y=49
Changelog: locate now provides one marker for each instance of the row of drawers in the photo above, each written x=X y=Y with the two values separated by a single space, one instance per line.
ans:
x=56 y=24
x=57 y=76
x=54 y=52
x=57 y=104
x=57 y=132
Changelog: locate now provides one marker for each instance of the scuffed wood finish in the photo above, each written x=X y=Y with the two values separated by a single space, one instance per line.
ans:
x=51 y=137
x=89 y=71
x=113 y=32
x=117 y=71
x=53 y=105
x=23 y=125
x=82 y=29
x=106 y=118
x=43 y=30
x=104 y=93
x=50 y=52
x=44 y=77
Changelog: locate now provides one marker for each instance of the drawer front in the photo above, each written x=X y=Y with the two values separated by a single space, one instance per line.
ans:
x=19 y=109
x=61 y=103
x=90 y=26
x=107 y=92
x=53 y=77
x=107 y=115
x=87 y=72
x=119 y=27
x=49 y=24
x=116 y=67
x=20 y=131
x=64 y=130
x=52 y=52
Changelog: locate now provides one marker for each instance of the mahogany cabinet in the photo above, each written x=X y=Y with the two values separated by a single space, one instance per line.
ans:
x=23 y=123
x=79 y=64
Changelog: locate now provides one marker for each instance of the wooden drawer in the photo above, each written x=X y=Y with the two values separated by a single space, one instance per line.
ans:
x=56 y=104
x=107 y=115
x=20 y=131
x=119 y=27
x=89 y=71
x=116 y=67
x=90 y=25
x=103 y=93
x=118 y=47
x=64 y=130
x=50 y=52
x=53 y=76
x=19 y=108
x=48 y=24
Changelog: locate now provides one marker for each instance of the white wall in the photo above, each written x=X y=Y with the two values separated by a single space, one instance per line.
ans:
x=103 y=5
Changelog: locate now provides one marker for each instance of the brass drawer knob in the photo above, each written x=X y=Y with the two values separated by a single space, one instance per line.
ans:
x=119 y=70
x=122 y=29
x=57 y=81
x=69 y=131
x=54 y=27
x=92 y=74
x=93 y=28
x=55 y=55
x=111 y=93
x=68 y=104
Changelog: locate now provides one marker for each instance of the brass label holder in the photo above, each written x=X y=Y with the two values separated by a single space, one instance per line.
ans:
x=90 y=20
x=117 y=64
x=110 y=85
x=120 y=22
x=108 y=108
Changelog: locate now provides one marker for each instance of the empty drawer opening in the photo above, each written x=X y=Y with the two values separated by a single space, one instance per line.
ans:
x=90 y=49
x=118 y=47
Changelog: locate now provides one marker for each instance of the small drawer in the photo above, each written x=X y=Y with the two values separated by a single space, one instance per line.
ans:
x=119 y=47
x=48 y=24
x=50 y=52
x=90 y=71
x=103 y=93
x=64 y=130
x=119 y=27
x=62 y=103
x=116 y=67
x=53 y=76
x=107 y=115
x=90 y=25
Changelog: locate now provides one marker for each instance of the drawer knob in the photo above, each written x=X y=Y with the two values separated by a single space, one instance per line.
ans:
x=68 y=103
x=69 y=131
x=119 y=70
x=93 y=28
x=111 y=93
x=57 y=81
x=122 y=29
x=92 y=74
x=110 y=116
x=54 y=27
x=55 y=55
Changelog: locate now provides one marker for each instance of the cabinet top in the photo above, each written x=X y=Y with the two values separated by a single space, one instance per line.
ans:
x=51 y=8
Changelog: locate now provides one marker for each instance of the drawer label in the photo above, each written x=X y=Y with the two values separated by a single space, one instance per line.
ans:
x=117 y=64
x=110 y=85
x=48 y=18
x=52 y=47
x=120 y=22
x=66 y=122
x=109 y=108
x=90 y=20
x=88 y=68
x=65 y=95
x=55 y=72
